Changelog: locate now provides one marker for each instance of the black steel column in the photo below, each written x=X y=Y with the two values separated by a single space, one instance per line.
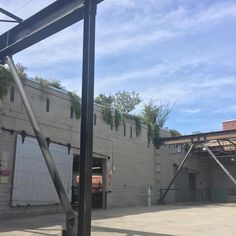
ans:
x=86 y=141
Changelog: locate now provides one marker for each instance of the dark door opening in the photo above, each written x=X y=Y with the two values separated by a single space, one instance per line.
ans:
x=192 y=186
x=97 y=182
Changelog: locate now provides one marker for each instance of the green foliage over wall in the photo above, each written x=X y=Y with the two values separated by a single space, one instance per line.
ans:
x=6 y=78
x=138 y=124
x=75 y=102
x=106 y=102
x=117 y=119
x=174 y=132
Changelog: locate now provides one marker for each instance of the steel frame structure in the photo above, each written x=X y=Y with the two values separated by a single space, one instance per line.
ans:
x=202 y=140
x=43 y=24
x=15 y=18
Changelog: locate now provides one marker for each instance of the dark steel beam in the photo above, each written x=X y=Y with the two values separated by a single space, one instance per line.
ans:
x=86 y=143
x=162 y=198
x=202 y=137
x=48 y=21
x=9 y=21
x=7 y=13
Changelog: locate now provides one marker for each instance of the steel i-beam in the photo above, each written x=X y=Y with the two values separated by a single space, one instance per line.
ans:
x=162 y=198
x=86 y=143
x=220 y=164
x=71 y=216
x=50 y=20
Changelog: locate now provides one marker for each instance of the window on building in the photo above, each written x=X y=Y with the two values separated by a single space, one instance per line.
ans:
x=47 y=104
x=124 y=129
x=131 y=132
x=71 y=112
x=94 y=119
x=12 y=94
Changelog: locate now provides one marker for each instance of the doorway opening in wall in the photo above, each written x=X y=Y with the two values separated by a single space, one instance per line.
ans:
x=192 y=186
x=98 y=182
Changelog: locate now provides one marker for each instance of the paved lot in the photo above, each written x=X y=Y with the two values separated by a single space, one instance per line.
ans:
x=198 y=220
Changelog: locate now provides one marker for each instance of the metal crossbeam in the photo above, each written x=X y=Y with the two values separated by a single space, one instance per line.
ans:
x=202 y=137
x=48 y=21
x=7 y=13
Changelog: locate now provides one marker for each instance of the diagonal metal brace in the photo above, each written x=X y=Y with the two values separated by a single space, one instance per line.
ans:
x=162 y=198
x=220 y=164
x=71 y=216
x=7 y=13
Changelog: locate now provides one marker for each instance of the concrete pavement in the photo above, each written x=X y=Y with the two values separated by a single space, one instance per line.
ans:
x=176 y=220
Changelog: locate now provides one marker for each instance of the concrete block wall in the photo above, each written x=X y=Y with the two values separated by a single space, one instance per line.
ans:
x=171 y=156
x=222 y=185
x=130 y=162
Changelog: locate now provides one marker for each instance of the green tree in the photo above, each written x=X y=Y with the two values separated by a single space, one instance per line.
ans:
x=106 y=102
x=174 y=133
x=155 y=114
x=6 y=78
x=126 y=102
x=54 y=83
x=163 y=115
x=21 y=70
x=150 y=112
x=155 y=117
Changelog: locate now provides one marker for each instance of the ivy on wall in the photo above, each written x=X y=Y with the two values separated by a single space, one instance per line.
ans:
x=75 y=102
x=6 y=78
x=117 y=119
x=138 y=124
x=153 y=134
x=107 y=116
x=5 y=81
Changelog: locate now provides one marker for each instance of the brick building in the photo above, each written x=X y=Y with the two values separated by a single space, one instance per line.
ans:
x=229 y=125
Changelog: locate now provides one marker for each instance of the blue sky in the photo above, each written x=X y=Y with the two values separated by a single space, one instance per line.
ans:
x=182 y=52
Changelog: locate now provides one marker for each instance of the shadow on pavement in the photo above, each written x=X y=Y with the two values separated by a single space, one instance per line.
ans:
x=125 y=232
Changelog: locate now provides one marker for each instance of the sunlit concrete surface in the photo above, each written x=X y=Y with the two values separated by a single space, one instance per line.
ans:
x=177 y=220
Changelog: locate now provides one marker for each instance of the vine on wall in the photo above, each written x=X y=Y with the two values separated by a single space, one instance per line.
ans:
x=107 y=116
x=117 y=119
x=75 y=102
x=5 y=80
x=153 y=133
x=138 y=124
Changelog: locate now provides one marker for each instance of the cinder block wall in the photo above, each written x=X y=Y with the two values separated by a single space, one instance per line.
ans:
x=172 y=155
x=131 y=163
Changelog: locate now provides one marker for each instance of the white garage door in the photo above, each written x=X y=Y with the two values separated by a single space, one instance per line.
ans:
x=32 y=184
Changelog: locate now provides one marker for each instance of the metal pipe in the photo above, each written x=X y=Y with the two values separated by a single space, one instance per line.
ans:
x=9 y=21
x=220 y=164
x=86 y=143
x=44 y=148
x=162 y=198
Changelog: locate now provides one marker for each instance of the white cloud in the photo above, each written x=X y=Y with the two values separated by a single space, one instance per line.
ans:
x=190 y=110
